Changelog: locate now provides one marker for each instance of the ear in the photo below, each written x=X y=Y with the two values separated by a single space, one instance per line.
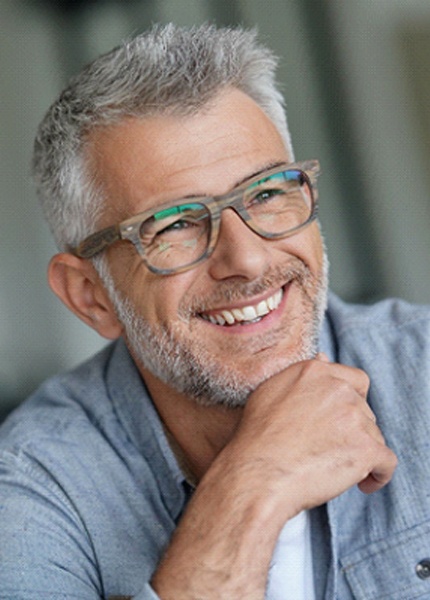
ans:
x=76 y=282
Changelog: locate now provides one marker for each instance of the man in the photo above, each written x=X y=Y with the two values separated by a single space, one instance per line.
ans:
x=226 y=445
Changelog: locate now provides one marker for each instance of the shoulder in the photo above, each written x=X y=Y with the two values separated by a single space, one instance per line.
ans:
x=392 y=313
x=387 y=332
x=91 y=427
x=68 y=455
x=75 y=491
x=390 y=341
x=56 y=436
x=60 y=403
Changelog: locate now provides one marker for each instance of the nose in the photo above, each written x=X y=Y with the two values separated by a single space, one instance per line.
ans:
x=239 y=252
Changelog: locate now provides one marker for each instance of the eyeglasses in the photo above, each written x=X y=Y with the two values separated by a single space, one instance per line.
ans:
x=177 y=236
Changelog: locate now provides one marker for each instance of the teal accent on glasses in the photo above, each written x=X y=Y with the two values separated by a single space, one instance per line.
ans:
x=174 y=210
x=290 y=174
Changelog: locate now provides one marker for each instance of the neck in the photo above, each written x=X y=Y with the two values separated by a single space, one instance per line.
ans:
x=200 y=432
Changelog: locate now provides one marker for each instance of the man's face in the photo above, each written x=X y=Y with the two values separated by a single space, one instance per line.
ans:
x=184 y=328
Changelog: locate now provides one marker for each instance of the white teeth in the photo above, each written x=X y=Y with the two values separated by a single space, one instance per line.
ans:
x=263 y=308
x=277 y=297
x=238 y=314
x=247 y=313
x=228 y=317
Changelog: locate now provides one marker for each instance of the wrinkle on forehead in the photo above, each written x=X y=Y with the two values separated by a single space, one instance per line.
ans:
x=143 y=162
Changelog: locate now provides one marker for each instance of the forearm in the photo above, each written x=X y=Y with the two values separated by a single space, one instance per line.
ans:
x=224 y=543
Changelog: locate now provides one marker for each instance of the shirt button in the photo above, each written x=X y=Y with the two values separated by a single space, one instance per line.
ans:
x=423 y=568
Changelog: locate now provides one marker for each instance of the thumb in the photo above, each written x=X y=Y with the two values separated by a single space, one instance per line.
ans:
x=322 y=357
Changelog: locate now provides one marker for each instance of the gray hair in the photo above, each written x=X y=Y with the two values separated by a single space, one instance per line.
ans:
x=165 y=70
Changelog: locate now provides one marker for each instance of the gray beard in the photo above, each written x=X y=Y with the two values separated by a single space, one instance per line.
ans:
x=189 y=368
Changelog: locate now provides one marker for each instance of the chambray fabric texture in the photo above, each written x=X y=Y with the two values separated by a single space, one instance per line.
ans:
x=90 y=491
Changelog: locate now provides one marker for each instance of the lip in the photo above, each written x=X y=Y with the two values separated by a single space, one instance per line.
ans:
x=245 y=302
x=265 y=322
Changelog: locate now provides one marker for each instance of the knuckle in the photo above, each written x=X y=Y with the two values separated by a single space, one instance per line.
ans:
x=365 y=379
x=344 y=389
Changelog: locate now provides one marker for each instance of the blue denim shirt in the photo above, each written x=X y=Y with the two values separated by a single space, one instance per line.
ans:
x=90 y=491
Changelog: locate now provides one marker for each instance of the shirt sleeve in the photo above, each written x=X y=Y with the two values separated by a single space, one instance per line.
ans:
x=45 y=551
x=146 y=594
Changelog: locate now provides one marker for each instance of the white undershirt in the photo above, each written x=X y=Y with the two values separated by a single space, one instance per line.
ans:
x=290 y=574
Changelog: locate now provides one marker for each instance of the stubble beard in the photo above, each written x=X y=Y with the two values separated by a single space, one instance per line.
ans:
x=186 y=365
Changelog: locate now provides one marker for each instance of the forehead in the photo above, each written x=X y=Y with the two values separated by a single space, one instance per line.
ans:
x=141 y=163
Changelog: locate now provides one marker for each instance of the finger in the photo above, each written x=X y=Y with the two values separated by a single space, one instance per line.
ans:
x=370 y=414
x=369 y=420
x=381 y=474
x=357 y=378
x=322 y=357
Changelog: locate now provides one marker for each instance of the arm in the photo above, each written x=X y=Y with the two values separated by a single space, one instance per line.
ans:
x=45 y=553
x=306 y=436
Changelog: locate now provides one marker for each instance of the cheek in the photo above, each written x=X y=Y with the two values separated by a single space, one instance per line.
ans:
x=307 y=246
x=316 y=244
x=158 y=298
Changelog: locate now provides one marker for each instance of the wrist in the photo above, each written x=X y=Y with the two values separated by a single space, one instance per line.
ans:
x=228 y=532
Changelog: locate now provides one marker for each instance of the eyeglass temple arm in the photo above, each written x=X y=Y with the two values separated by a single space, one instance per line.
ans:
x=312 y=170
x=97 y=242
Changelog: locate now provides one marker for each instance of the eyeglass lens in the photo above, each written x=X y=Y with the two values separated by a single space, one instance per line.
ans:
x=179 y=236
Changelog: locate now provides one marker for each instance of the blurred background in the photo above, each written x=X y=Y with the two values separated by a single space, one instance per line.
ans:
x=356 y=76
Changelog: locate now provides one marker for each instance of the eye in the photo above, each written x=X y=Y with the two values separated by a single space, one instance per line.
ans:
x=179 y=225
x=175 y=221
x=266 y=195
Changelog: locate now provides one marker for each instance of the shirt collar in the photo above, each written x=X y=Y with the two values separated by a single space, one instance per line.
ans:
x=141 y=422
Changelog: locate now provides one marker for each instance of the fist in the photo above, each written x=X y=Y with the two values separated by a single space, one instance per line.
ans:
x=309 y=434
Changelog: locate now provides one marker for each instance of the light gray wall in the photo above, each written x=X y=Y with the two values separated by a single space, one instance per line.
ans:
x=368 y=87
x=387 y=130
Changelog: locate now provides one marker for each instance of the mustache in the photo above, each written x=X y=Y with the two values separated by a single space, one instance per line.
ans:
x=237 y=290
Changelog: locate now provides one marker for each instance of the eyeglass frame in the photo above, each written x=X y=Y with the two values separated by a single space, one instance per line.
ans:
x=129 y=229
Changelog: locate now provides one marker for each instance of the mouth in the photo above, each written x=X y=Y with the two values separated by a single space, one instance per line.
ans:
x=245 y=315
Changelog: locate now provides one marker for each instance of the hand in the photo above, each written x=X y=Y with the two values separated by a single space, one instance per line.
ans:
x=309 y=434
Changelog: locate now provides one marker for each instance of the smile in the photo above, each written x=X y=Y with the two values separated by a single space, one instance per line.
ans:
x=247 y=314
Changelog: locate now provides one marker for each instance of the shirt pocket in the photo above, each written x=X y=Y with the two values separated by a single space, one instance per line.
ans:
x=395 y=568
